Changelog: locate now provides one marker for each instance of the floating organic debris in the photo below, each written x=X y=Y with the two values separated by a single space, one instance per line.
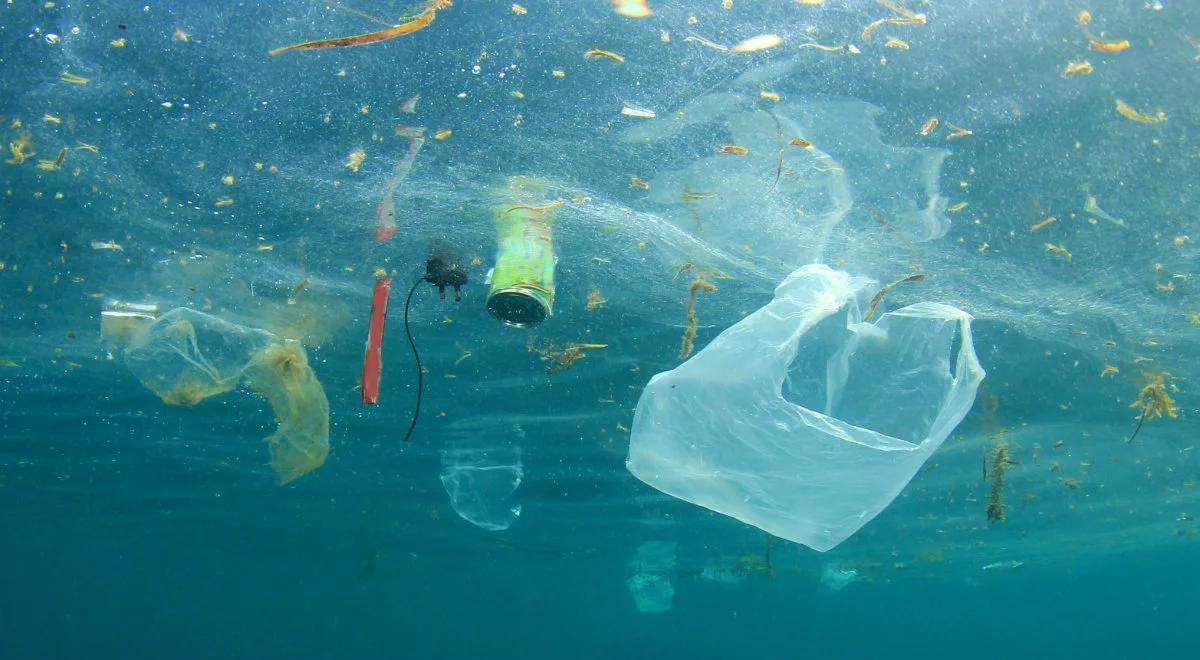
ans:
x=420 y=21
x=596 y=53
x=689 y=335
x=1154 y=401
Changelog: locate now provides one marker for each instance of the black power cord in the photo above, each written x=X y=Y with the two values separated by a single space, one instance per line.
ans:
x=440 y=271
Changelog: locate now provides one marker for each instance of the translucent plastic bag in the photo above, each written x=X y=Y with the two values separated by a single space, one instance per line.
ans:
x=186 y=356
x=482 y=484
x=803 y=420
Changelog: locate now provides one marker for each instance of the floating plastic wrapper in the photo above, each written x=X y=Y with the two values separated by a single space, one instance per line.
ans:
x=482 y=485
x=650 y=584
x=186 y=356
x=522 y=281
x=802 y=419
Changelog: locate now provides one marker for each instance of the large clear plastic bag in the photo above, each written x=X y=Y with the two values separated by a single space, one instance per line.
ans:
x=802 y=419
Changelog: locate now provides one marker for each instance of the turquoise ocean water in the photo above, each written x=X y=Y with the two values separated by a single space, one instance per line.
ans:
x=202 y=173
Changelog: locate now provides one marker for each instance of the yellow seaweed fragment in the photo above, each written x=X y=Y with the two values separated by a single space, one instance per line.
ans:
x=957 y=207
x=769 y=96
x=519 y=10
x=1059 y=249
x=1043 y=224
x=1077 y=68
x=73 y=79
x=1128 y=112
x=1109 y=370
x=688 y=343
x=595 y=300
x=52 y=165
x=706 y=43
x=18 y=149
x=639 y=182
x=1109 y=46
x=1154 y=401
x=355 y=159
x=734 y=149
x=915 y=19
x=929 y=126
x=958 y=131
x=828 y=49
x=224 y=201
x=597 y=52
x=896 y=43
x=757 y=43
x=443 y=134
x=420 y=21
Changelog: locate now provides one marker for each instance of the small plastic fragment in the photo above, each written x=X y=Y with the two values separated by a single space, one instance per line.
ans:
x=630 y=110
x=373 y=360
x=632 y=8
x=757 y=43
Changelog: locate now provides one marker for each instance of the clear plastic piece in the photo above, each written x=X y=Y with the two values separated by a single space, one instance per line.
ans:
x=802 y=419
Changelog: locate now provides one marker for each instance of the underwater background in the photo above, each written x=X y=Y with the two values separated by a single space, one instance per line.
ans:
x=1054 y=200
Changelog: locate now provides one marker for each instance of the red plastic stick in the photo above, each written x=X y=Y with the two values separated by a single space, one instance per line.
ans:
x=373 y=361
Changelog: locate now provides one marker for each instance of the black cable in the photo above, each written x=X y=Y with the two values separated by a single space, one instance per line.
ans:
x=417 y=356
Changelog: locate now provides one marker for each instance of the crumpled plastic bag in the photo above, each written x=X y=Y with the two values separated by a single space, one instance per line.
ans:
x=802 y=419
x=186 y=356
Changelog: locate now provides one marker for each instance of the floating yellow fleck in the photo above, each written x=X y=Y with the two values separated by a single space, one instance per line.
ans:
x=769 y=96
x=443 y=134
x=180 y=35
x=800 y=142
x=517 y=94
x=734 y=149
x=1127 y=111
x=896 y=43
x=810 y=2
x=1084 y=17
x=632 y=8
x=84 y=146
x=558 y=73
x=51 y=119
x=633 y=180
x=224 y=201
x=69 y=77
x=1109 y=370
x=1077 y=68
x=929 y=126
x=355 y=159
x=957 y=207
x=757 y=43
x=519 y=10
x=118 y=43
x=597 y=52
x=265 y=248
x=227 y=179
